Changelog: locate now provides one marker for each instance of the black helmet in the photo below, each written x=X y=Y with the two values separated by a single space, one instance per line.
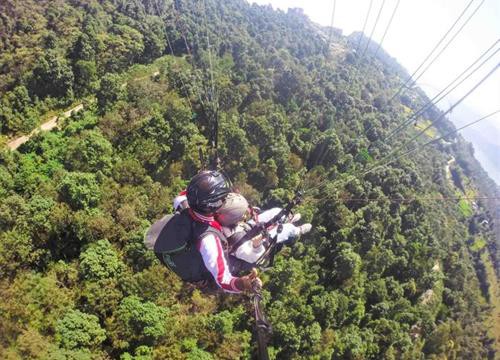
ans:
x=206 y=191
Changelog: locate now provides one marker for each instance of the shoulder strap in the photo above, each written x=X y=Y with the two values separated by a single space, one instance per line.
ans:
x=214 y=231
x=250 y=234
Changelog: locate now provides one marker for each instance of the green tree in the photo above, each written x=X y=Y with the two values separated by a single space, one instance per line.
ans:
x=31 y=175
x=40 y=209
x=33 y=300
x=141 y=353
x=79 y=330
x=354 y=344
x=331 y=308
x=194 y=352
x=17 y=113
x=13 y=211
x=100 y=261
x=346 y=264
x=328 y=151
x=124 y=46
x=52 y=76
x=79 y=190
x=17 y=252
x=110 y=91
x=6 y=182
x=85 y=77
x=101 y=297
x=138 y=322
x=83 y=49
x=154 y=38
x=91 y=152
x=350 y=289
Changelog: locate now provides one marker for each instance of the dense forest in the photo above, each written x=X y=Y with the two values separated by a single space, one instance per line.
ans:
x=400 y=262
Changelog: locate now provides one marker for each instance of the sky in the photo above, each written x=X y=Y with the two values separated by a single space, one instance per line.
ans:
x=417 y=27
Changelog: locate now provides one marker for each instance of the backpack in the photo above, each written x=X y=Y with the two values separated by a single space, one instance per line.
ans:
x=173 y=239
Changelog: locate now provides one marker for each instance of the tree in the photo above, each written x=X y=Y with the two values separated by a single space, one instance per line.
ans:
x=101 y=297
x=85 y=77
x=32 y=344
x=327 y=152
x=141 y=353
x=30 y=174
x=79 y=330
x=154 y=38
x=17 y=113
x=33 y=300
x=110 y=91
x=331 y=308
x=75 y=202
x=138 y=322
x=91 y=153
x=194 y=352
x=6 y=182
x=124 y=46
x=100 y=261
x=354 y=344
x=79 y=190
x=346 y=264
x=83 y=49
x=52 y=76
x=16 y=252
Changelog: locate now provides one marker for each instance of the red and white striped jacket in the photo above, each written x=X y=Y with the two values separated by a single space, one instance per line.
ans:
x=214 y=258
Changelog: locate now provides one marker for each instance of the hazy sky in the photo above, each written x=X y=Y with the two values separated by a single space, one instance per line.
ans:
x=416 y=28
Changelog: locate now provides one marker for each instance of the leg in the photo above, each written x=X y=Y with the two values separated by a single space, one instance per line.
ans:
x=288 y=233
x=268 y=214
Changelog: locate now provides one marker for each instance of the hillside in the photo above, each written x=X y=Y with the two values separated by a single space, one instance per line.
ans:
x=401 y=260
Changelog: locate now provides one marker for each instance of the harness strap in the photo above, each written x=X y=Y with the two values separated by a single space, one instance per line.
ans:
x=263 y=328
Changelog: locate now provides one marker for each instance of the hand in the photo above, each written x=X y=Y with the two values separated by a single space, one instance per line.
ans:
x=256 y=281
x=257 y=241
x=250 y=282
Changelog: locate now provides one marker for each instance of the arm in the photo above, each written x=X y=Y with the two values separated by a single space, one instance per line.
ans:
x=211 y=251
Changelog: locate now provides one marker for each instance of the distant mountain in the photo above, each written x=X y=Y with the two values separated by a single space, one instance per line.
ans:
x=485 y=138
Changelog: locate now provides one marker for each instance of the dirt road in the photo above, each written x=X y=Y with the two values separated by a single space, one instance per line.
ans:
x=46 y=126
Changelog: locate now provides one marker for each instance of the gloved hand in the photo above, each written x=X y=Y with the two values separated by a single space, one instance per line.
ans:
x=250 y=282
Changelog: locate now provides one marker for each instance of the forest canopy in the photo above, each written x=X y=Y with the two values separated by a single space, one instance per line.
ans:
x=388 y=271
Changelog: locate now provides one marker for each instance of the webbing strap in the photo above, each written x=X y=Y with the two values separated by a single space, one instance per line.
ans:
x=263 y=328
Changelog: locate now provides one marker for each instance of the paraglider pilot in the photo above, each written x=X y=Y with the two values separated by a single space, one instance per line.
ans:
x=191 y=242
x=205 y=194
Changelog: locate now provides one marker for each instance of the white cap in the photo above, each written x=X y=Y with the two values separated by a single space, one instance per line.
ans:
x=179 y=199
x=232 y=211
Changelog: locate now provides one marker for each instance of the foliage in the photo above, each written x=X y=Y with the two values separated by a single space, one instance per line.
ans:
x=78 y=330
x=138 y=322
x=385 y=274
x=79 y=190
x=109 y=92
x=100 y=261
x=52 y=76
x=92 y=152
